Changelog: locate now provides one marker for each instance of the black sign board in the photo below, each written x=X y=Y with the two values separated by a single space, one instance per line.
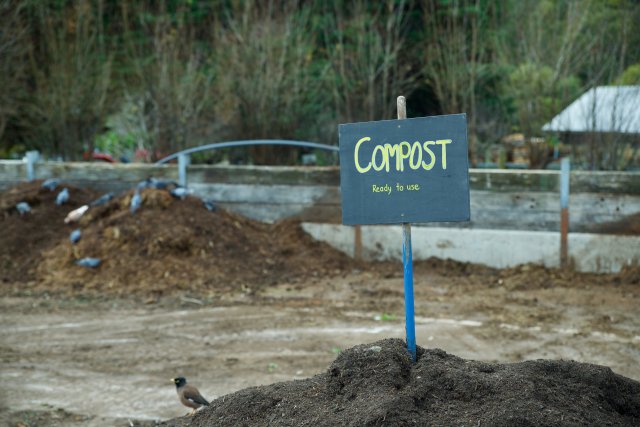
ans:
x=412 y=170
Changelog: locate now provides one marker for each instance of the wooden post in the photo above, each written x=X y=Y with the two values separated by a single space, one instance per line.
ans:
x=564 y=211
x=357 y=242
x=407 y=262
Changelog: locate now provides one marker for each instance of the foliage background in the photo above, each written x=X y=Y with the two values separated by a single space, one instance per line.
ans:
x=147 y=78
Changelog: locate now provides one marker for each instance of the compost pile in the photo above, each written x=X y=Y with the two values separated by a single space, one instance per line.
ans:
x=168 y=245
x=377 y=384
x=24 y=237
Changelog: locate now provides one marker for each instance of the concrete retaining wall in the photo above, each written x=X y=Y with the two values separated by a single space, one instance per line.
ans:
x=496 y=248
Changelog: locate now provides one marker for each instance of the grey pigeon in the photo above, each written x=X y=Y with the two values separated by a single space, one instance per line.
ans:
x=180 y=192
x=163 y=185
x=75 y=236
x=23 y=208
x=147 y=183
x=102 y=200
x=209 y=205
x=136 y=202
x=88 y=262
x=50 y=184
x=155 y=183
x=62 y=197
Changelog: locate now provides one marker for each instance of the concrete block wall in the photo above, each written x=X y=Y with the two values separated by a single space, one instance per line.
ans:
x=598 y=253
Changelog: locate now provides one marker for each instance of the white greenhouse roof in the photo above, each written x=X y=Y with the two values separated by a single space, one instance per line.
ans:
x=601 y=109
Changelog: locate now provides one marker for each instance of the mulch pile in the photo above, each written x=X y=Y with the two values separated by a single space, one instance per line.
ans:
x=521 y=277
x=168 y=245
x=24 y=237
x=378 y=385
x=534 y=276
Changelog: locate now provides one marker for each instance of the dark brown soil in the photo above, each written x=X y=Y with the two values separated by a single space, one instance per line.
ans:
x=376 y=384
x=627 y=226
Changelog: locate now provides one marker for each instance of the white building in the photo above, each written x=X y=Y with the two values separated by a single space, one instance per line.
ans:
x=603 y=127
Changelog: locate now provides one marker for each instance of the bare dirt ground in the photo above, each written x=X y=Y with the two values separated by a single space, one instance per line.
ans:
x=104 y=362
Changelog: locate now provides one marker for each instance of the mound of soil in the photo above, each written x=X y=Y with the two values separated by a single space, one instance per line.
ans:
x=534 y=276
x=377 y=384
x=24 y=237
x=168 y=245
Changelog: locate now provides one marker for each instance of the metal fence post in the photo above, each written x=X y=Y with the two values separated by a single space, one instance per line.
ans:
x=31 y=158
x=183 y=162
x=565 y=168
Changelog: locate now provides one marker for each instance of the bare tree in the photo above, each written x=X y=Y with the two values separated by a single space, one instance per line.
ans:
x=13 y=67
x=270 y=85
x=71 y=72
x=168 y=106
x=556 y=42
x=364 y=45
x=456 y=46
x=608 y=119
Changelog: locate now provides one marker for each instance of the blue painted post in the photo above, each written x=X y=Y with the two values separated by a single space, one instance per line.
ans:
x=565 y=168
x=183 y=161
x=407 y=262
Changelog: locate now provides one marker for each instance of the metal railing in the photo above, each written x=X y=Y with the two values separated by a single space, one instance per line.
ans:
x=184 y=156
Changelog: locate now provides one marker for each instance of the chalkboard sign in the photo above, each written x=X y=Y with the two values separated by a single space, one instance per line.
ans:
x=412 y=170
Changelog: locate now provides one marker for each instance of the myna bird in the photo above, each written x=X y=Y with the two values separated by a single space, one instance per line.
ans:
x=189 y=395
